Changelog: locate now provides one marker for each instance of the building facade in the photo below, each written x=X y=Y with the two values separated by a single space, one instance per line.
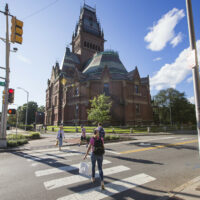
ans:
x=88 y=71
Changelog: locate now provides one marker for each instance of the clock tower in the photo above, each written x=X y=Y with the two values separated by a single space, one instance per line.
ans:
x=88 y=37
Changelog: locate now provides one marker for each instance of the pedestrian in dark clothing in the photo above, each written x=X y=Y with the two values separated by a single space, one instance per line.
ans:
x=101 y=130
x=97 y=145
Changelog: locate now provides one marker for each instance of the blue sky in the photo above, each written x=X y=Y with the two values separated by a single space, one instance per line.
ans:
x=149 y=34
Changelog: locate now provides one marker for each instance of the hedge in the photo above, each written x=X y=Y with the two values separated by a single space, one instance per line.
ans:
x=16 y=140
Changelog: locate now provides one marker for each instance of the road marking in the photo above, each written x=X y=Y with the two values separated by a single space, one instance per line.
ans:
x=34 y=164
x=62 y=169
x=56 y=183
x=44 y=150
x=143 y=140
x=114 y=152
x=111 y=188
x=30 y=158
x=157 y=147
x=50 y=152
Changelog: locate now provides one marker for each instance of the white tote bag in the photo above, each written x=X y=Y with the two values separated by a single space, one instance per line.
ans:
x=84 y=169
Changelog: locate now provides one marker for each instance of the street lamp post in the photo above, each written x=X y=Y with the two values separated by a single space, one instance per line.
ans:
x=26 y=105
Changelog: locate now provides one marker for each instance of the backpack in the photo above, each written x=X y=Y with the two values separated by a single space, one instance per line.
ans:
x=98 y=147
x=101 y=132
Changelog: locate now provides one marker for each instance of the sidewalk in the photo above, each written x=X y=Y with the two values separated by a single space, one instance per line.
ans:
x=187 y=191
x=43 y=143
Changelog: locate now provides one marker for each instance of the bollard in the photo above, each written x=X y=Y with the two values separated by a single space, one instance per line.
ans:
x=113 y=130
x=131 y=130
x=148 y=129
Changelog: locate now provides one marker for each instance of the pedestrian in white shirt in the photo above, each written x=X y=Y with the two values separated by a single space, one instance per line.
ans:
x=60 y=136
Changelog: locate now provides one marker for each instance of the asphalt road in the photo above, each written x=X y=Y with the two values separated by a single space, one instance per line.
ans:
x=146 y=168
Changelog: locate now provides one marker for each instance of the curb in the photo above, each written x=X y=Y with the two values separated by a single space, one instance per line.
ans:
x=182 y=187
x=172 y=194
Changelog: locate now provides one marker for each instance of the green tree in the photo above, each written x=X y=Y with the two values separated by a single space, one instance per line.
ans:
x=11 y=119
x=41 y=109
x=100 y=109
x=171 y=105
x=32 y=109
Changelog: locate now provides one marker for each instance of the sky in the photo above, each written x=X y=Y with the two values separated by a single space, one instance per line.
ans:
x=149 y=34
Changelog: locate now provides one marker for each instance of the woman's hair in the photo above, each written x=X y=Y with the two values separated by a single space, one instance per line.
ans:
x=96 y=131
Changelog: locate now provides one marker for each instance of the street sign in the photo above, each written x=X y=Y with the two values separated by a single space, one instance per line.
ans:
x=2 y=83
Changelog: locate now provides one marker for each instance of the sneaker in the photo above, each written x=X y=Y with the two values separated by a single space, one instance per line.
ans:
x=92 y=180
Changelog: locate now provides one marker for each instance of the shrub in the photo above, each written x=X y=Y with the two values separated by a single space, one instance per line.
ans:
x=34 y=135
x=16 y=140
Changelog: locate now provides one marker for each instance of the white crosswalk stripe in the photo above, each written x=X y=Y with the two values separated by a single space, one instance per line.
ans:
x=111 y=188
x=56 y=183
x=57 y=155
x=93 y=193
x=61 y=169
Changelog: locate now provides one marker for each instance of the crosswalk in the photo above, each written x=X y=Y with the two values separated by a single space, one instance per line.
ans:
x=48 y=174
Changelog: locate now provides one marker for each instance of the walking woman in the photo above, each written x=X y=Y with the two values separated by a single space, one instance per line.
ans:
x=97 y=145
x=60 y=136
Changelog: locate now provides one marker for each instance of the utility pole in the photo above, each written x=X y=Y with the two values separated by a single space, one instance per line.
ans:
x=195 y=68
x=3 y=142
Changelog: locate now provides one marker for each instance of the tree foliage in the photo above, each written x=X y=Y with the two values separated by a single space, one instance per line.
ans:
x=100 y=109
x=32 y=108
x=171 y=105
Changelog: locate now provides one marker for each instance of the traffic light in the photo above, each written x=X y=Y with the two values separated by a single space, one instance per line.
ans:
x=11 y=111
x=4 y=97
x=10 y=95
x=16 y=31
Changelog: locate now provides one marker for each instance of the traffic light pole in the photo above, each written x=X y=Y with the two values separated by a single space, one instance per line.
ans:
x=3 y=142
x=195 y=68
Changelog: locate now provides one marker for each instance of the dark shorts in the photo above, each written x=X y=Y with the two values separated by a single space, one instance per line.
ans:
x=83 y=138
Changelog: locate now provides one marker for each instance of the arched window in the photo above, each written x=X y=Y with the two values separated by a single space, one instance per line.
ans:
x=85 y=44
x=88 y=45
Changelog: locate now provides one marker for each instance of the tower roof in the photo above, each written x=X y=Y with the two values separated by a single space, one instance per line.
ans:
x=106 y=58
x=88 y=21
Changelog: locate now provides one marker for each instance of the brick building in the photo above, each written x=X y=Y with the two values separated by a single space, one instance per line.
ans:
x=90 y=71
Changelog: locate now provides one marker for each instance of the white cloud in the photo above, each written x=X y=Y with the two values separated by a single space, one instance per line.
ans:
x=176 y=39
x=157 y=59
x=163 y=31
x=189 y=80
x=172 y=74
x=23 y=59
x=191 y=99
